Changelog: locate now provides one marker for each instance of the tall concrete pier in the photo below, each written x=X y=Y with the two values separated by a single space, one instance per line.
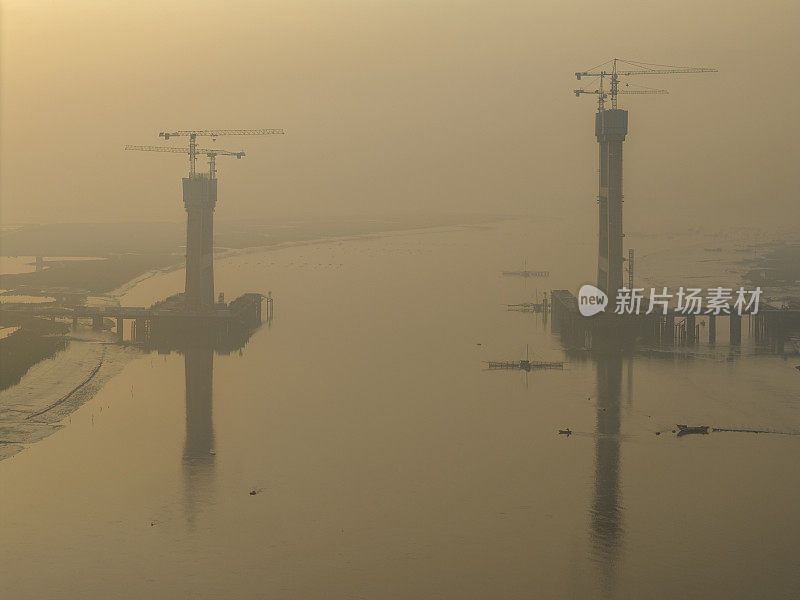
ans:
x=200 y=199
x=611 y=127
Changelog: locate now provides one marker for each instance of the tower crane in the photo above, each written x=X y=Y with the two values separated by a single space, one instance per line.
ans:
x=626 y=68
x=211 y=153
x=192 y=134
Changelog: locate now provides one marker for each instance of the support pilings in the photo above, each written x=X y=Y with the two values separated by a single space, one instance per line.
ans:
x=691 y=329
x=140 y=330
x=669 y=329
x=735 y=329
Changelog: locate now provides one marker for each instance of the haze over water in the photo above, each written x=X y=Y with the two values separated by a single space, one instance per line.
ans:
x=399 y=105
x=388 y=463
x=358 y=446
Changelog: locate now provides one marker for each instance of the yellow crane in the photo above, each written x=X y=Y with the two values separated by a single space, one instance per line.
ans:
x=211 y=153
x=627 y=68
x=193 y=134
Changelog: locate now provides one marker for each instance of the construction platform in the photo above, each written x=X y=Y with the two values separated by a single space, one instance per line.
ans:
x=775 y=330
x=169 y=319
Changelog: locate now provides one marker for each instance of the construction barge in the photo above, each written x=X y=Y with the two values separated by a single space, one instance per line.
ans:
x=164 y=319
x=530 y=307
x=524 y=365
x=526 y=273
x=170 y=322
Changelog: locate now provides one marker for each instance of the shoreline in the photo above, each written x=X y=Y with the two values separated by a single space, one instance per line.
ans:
x=34 y=408
x=99 y=357
x=55 y=387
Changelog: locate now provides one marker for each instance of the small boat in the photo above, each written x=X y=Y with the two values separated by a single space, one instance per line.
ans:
x=567 y=431
x=685 y=429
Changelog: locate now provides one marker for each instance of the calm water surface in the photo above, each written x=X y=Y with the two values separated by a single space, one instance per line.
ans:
x=390 y=464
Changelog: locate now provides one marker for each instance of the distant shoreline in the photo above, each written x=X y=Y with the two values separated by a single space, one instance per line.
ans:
x=133 y=252
x=32 y=409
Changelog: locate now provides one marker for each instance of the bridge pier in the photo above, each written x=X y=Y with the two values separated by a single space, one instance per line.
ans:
x=74 y=321
x=611 y=127
x=97 y=323
x=780 y=341
x=760 y=328
x=712 y=329
x=199 y=199
x=669 y=329
x=649 y=329
x=691 y=329
x=783 y=325
x=120 y=328
x=140 y=330
x=735 y=329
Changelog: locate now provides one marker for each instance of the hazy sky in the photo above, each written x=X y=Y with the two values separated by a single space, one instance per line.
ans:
x=395 y=106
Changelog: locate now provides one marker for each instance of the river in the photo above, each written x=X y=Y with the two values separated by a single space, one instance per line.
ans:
x=357 y=447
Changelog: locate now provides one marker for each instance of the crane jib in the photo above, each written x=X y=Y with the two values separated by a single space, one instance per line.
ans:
x=638 y=68
x=218 y=132
x=193 y=151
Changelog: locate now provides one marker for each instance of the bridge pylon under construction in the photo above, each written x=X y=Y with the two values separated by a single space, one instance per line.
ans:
x=611 y=127
x=200 y=201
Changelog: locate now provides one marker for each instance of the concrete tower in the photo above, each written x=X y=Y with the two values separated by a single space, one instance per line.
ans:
x=611 y=127
x=200 y=199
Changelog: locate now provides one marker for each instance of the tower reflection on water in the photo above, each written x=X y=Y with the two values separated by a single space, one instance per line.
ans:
x=198 y=341
x=606 y=510
x=198 y=449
